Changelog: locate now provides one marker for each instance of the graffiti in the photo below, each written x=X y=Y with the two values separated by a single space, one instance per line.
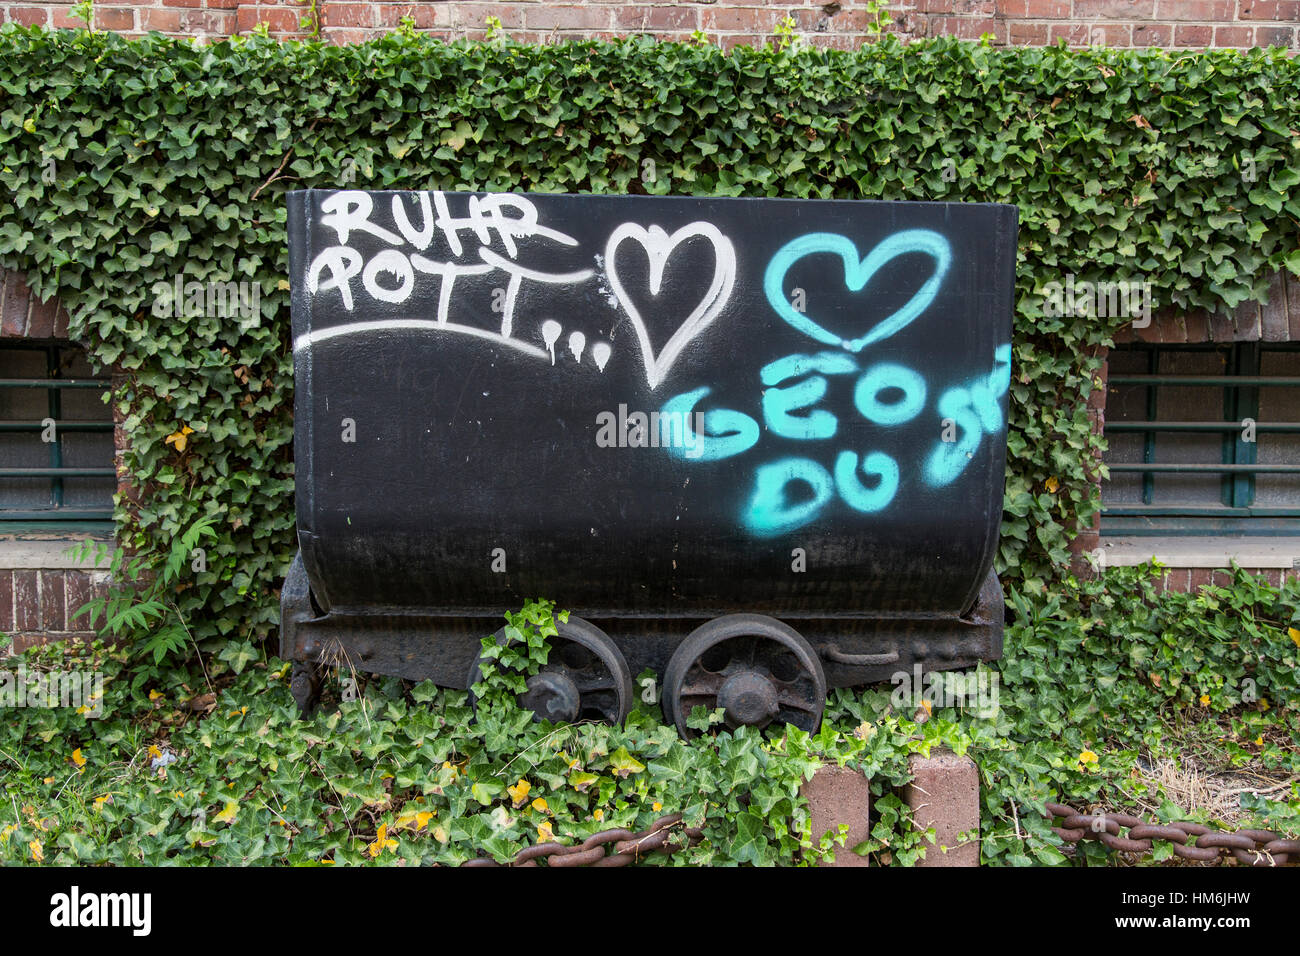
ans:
x=727 y=324
x=857 y=273
x=391 y=275
x=976 y=408
x=725 y=432
x=658 y=245
x=792 y=491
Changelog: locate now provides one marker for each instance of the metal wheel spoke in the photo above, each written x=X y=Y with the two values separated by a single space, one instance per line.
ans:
x=702 y=684
x=797 y=703
x=594 y=682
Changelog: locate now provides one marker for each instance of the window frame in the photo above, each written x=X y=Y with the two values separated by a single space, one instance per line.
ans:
x=56 y=518
x=1238 y=466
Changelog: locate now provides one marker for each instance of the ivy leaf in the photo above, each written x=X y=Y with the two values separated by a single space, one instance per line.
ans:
x=239 y=655
x=624 y=764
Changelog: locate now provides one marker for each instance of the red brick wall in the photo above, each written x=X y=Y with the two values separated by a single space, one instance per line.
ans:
x=38 y=605
x=833 y=23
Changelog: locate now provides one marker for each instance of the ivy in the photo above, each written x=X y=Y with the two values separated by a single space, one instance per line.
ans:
x=128 y=162
x=213 y=764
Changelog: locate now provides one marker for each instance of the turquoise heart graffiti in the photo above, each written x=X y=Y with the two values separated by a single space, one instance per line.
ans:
x=887 y=394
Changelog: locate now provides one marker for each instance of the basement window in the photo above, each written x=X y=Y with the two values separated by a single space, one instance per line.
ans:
x=56 y=440
x=1203 y=440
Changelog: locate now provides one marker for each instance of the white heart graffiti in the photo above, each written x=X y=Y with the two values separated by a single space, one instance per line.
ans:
x=659 y=246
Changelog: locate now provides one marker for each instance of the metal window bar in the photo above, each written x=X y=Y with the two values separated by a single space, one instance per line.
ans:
x=1238 y=467
x=57 y=472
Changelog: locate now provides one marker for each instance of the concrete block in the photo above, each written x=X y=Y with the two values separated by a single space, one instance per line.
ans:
x=838 y=795
x=945 y=794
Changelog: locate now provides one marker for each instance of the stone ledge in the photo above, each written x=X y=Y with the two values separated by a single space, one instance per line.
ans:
x=1202 y=551
x=45 y=553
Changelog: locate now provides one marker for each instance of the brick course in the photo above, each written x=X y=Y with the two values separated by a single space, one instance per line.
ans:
x=838 y=23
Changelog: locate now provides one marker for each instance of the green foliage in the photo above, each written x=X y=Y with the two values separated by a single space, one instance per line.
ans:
x=141 y=602
x=253 y=784
x=1203 y=681
x=505 y=667
x=172 y=158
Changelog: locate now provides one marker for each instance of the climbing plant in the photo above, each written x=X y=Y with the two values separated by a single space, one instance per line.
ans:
x=128 y=165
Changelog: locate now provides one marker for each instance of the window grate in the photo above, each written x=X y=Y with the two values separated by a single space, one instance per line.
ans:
x=60 y=474
x=1175 y=469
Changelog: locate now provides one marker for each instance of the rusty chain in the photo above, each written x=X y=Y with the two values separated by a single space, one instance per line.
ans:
x=628 y=847
x=1191 y=841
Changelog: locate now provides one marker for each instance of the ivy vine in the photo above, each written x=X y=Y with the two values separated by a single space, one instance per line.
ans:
x=128 y=162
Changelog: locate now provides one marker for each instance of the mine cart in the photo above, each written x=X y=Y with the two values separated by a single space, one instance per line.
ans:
x=756 y=446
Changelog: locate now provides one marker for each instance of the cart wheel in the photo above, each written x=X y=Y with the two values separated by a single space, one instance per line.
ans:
x=755 y=668
x=585 y=677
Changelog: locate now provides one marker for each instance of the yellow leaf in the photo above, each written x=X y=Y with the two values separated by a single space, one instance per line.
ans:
x=519 y=792
x=540 y=805
x=156 y=695
x=422 y=819
x=544 y=833
x=77 y=758
x=179 y=439
x=49 y=780
x=154 y=752
x=1052 y=484
x=598 y=814
x=1087 y=757
x=38 y=852
x=929 y=707
x=100 y=801
x=228 y=814
x=1205 y=700
x=657 y=806
x=440 y=834
x=624 y=764
x=1294 y=634
x=283 y=285
x=382 y=842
